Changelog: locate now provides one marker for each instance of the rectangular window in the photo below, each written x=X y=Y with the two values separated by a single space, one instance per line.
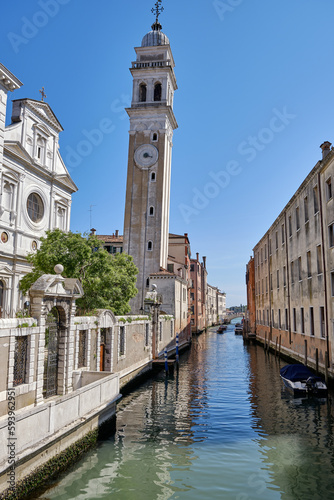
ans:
x=272 y=317
x=276 y=239
x=121 y=340
x=261 y=255
x=309 y=265
x=322 y=322
x=279 y=319
x=306 y=209
x=160 y=331
x=147 y=334
x=331 y=235
x=286 y=320
x=294 y=319
x=266 y=284
x=269 y=247
x=284 y=276
x=277 y=278
x=271 y=282
x=82 y=355
x=265 y=252
x=20 y=360
x=302 y=320
x=297 y=219
x=283 y=234
x=299 y=268
x=329 y=192
x=290 y=226
x=319 y=260
x=332 y=283
x=170 y=268
x=315 y=200
x=292 y=273
x=267 y=318
x=311 y=321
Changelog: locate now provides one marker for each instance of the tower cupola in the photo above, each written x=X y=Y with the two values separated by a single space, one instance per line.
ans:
x=155 y=37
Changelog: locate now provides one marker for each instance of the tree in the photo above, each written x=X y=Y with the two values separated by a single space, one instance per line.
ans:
x=108 y=280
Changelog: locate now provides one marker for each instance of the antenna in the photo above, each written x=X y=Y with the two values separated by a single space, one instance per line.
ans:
x=90 y=216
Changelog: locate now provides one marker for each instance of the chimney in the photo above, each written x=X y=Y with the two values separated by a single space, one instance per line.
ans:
x=93 y=232
x=326 y=147
x=117 y=233
x=197 y=256
x=204 y=262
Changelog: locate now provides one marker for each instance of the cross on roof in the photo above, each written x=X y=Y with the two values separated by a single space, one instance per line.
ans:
x=43 y=93
x=157 y=9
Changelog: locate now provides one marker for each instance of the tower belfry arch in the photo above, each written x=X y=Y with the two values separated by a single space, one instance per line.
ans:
x=152 y=123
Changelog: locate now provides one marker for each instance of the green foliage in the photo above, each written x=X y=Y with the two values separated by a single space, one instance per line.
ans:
x=108 y=280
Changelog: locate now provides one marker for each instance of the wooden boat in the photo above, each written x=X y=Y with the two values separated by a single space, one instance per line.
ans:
x=302 y=382
x=238 y=330
x=221 y=329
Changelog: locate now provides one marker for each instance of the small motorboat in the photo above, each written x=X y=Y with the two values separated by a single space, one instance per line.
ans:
x=221 y=328
x=302 y=382
x=238 y=330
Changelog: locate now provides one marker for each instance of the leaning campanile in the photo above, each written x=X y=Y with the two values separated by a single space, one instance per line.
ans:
x=152 y=122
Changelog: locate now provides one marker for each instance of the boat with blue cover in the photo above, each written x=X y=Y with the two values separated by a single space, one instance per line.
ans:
x=302 y=382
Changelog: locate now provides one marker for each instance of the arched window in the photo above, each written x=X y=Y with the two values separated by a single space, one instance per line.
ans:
x=153 y=177
x=151 y=210
x=157 y=91
x=2 y=295
x=150 y=246
x=142 y=92
x=155 y=137
x=148 y=283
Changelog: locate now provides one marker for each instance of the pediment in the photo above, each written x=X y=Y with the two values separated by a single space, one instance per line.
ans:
x=46 y=113
x=5 y=271
x=16 y=149
x=40 y=108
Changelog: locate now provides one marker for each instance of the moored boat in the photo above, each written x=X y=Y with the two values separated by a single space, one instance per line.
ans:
x=302 y=382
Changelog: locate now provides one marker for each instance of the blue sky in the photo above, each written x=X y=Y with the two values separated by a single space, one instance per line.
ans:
x=253 y=106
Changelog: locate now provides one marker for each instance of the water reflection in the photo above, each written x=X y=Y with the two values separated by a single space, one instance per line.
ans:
x=221 y=428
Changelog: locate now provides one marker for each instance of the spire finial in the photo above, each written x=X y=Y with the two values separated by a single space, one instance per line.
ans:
x=43 y=94
x=157 y=10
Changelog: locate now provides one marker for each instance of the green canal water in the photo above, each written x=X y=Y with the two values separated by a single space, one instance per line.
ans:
x=223 y=427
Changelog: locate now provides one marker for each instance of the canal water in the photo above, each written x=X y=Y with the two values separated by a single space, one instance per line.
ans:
x=223 y=427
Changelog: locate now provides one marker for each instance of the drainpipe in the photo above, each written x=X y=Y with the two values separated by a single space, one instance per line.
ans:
x=324 y=267
x=287 y=277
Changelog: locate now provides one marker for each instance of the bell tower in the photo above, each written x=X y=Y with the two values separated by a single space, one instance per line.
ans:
x=152 y=122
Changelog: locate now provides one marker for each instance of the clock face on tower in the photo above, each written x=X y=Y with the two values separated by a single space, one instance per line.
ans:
x=146 y=156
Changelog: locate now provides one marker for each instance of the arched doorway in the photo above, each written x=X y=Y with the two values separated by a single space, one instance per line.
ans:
x=51 y=354
x=2 y=298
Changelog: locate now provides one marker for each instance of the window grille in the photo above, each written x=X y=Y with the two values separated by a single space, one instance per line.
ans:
x=20 y=360
x=82 y=358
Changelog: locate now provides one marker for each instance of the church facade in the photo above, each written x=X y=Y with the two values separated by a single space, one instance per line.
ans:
x=35 y=187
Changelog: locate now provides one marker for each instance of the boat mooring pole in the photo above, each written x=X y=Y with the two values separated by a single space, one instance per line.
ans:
x=317 y=361
x=276 y=348
x=279 y=348
x=177 y=348
x=166 y=362
x=326 y=367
